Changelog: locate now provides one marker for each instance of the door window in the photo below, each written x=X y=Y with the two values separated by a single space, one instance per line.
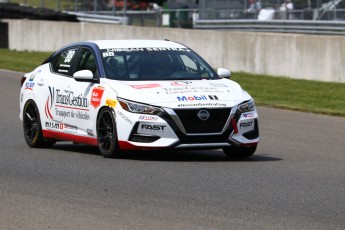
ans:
x=62 y=63
x=87 y=61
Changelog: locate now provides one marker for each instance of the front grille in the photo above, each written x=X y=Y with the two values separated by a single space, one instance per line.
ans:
x=184 y=139
x=193 y=124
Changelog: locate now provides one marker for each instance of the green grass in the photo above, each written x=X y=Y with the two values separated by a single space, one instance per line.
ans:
x=22 y=61
x=293 y=94
x=278 y=92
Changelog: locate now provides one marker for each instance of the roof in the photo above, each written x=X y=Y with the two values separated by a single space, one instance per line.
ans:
x=104 y=44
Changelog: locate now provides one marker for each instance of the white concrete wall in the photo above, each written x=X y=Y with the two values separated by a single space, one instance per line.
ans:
x=291 y=55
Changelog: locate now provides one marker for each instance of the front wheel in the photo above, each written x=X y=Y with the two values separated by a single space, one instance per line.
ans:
x=106 y=134
x=32 y=127
x=239 y=152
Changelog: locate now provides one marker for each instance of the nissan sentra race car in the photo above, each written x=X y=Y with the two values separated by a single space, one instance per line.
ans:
x=125 y=95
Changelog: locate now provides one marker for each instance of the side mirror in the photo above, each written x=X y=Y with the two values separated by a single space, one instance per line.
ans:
x=83 y=75
x=224 y=73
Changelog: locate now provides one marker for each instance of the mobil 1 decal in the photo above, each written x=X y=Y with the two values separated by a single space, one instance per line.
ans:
x=61 y=104
x=198 y=98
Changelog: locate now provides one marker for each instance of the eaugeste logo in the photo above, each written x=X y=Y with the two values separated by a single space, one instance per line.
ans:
x=192 y=98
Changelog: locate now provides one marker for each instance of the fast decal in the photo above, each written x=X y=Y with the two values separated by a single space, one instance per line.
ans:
x=247 y=125
x=111 y=103
x=124 y=117
x=145 y=86
x=67 y=105
x=148 y=118
x=151 y=128
x=96 y=96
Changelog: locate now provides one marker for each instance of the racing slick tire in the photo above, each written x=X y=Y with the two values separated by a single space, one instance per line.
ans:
x=106 y=134
x=32 y=127
x=239 y=152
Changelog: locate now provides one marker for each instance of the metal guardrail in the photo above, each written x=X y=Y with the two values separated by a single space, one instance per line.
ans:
x=280 y=26
x=96 y=18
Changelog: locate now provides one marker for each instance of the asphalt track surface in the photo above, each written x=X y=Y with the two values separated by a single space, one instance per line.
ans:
x=294 y=181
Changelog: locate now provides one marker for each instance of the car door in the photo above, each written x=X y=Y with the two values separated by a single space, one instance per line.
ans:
x=78 y=112
x=50 y=82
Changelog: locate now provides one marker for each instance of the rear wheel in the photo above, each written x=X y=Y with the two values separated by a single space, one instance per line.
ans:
x=106 y=134
x=239 y=152
x=32 y=127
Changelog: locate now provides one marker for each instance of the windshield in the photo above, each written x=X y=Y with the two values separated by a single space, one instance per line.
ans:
x=141 y=64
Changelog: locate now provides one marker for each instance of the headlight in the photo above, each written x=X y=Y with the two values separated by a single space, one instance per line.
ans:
x=247 y=106
x=139 y=108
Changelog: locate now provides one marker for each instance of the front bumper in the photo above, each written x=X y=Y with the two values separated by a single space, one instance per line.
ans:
x=182 y=129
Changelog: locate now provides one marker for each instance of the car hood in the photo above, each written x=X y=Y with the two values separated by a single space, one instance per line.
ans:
x=179 y=94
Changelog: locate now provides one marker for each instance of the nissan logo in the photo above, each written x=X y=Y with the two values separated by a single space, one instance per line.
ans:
x=203 y=115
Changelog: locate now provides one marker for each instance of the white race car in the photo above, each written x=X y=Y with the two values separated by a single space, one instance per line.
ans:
x=125 y=95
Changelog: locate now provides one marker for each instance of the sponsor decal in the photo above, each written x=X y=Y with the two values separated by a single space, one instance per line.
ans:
x=191 y=89
x=63 y=70
x=32 y=77
x=124 y=117
x=247 y=125
x=65 y=101
x=248 y=115
x=96 y=96
x=218 y=85
x=197 y=98
x=148 y=118
x=181 y=83
x=145 y=86
x=202 y=105
x=60 y=126
x=29 y=85
x=89 y=132
x=54 y=125
x=213 y=97
x=111 y=103
x=69 y=127
x=152 y=128
x=146 y=49
x=192 y=98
